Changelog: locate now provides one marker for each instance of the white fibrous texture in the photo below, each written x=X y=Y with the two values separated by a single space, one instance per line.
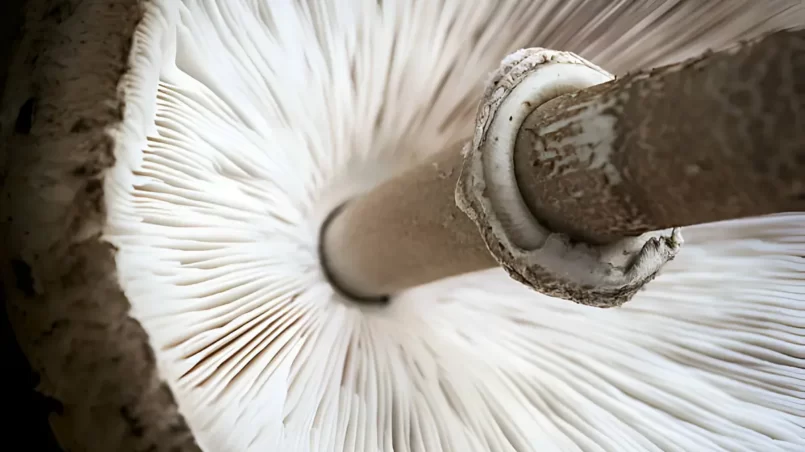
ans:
x=247 y=122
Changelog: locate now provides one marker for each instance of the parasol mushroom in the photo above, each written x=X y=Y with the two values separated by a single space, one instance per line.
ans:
x=170 y=165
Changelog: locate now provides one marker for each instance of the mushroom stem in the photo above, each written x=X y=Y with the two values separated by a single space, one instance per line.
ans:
x=406 y=232
x=715 y=138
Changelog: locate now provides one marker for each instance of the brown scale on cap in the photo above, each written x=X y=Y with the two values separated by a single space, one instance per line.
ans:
x=68 y=311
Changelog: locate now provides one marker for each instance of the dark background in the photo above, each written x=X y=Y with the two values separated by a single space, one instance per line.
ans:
x=24 y=425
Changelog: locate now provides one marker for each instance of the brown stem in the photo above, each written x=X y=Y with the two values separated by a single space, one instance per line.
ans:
x=717 y=138
x=404 y=233
x=720 y=137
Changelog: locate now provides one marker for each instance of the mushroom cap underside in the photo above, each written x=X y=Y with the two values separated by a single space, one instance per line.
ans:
x=179 y=227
